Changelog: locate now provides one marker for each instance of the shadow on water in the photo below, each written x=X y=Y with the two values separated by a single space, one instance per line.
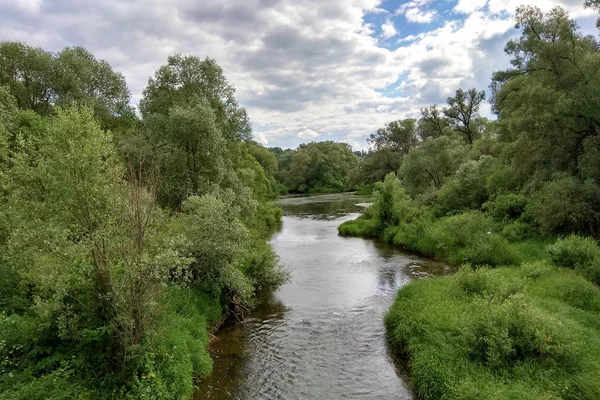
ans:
x=320 y=336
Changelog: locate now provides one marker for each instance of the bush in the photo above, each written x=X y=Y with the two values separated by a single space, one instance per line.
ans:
x=579 y=253
x=469 y=237
x=506 y=206
x=517 y=231
x=565 y=205
x=510 y=332
x=362 y=226
x=467 y=190
x=506 y=333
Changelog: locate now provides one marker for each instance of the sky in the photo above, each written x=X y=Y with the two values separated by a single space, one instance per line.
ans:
x=306 y=70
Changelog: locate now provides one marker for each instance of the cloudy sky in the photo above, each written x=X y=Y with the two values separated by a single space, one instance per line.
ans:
x=305 y=69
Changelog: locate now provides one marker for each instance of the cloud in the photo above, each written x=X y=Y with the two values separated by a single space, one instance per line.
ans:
x=308 y=134
x=300 y=68
x=469 y=6
x=413 y=12
x=388 y=30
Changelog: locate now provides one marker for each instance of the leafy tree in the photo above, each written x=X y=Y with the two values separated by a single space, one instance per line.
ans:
x=320 y=166
x=81 y=79
x=29 y=73
x=547 y=103
x=399 y=136
x=185 y=80
x=427 y=168
x=433 y=123
x=462 y=110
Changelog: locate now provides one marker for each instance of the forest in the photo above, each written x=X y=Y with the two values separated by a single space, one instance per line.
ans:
x=514 y=205
x=125 y=239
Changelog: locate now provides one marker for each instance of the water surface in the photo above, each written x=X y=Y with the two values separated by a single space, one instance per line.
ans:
x=320 y=336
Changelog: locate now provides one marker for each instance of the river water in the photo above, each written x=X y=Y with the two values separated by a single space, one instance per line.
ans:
x=320 y=336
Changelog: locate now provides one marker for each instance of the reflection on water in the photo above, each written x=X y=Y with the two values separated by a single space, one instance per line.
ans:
x=320 y=336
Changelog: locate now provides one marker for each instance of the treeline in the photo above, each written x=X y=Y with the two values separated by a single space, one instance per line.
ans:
x=520 y=195
x=316 y=167
x=123 y=240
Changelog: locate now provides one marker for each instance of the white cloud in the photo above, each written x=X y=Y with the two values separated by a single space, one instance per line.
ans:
x=388 y=30
x=413 y=12
x=418 y=16
x=308 y=134
x=469 y=6
x=261 y=138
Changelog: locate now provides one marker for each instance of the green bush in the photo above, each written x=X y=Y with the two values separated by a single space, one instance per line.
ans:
x=362 y=226
x=517 y=231
x=469 y=237
x=506 y=206
x=505 y=333
x=508 y=333
x=565 y=205
x=579 y=253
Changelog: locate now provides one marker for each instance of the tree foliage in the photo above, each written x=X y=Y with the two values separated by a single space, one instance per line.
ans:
x=119 y=251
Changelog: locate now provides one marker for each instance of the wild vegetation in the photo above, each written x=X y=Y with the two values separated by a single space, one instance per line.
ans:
x=316 y=167
x=123 y=240
x=515 y=203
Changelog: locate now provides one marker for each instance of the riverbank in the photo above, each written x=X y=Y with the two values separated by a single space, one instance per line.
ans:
x=320 y=335
x=527 y=329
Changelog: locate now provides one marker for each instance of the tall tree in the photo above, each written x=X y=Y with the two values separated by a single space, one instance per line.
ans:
x=548 y=102
x=433 y=123
x=29 y=73
x=81 y=79
x=462 y=109
x=184 y=80
x=393 y=140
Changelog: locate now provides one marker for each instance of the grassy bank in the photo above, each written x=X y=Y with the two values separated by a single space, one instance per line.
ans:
x=521 y=318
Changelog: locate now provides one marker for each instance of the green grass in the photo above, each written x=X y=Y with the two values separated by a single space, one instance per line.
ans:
x=530 y=332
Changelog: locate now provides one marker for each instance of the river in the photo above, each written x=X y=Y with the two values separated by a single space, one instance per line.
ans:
x=320 y=336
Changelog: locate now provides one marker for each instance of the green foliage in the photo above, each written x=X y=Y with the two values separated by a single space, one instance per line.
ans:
x=426 y=168
x=467 y=189
x=462 y=111
x=505 y=207
x=577 y=252
x=41 y=81
x=318 y=167
x=115 y=262
x=566 y=205
x=499 y=334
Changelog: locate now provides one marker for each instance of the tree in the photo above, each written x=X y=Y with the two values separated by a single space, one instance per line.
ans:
x=81 y=79
x=393 y=140
x=41 y=81
x=399 y=136
x=462 y=109
x=320 y=166
x=427 y=168
x=29 y=73
x=547 y=103
x=185 y=80
x=433 y=123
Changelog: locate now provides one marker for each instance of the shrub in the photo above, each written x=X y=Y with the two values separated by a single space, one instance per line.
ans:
x=467 y=190
x=506 y=206
x=362 y=226
x=510 y=332
x=517 y=231
x=565 y=205
x=469 y=237
x=579 y=253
